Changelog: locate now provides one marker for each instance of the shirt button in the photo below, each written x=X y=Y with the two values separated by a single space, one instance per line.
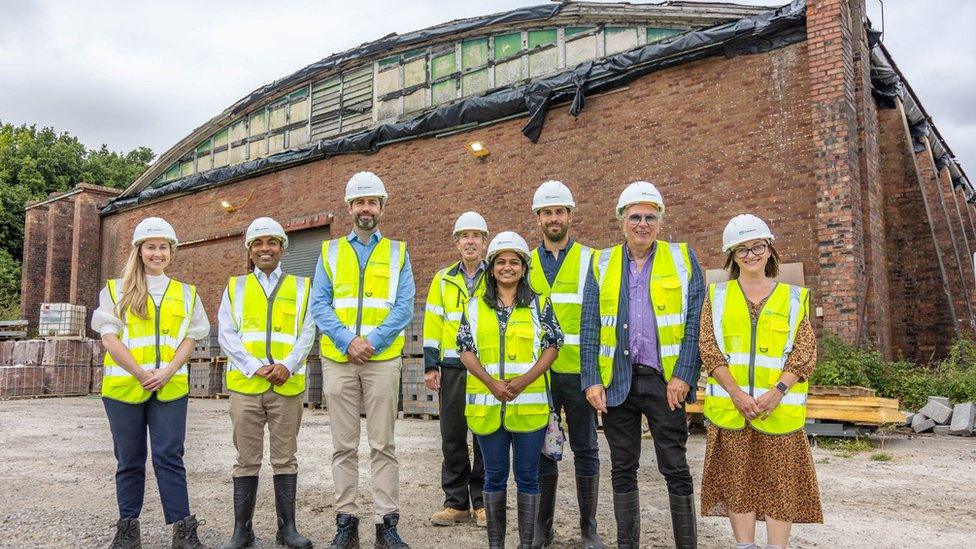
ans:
x=625 y=326
x=626 y=352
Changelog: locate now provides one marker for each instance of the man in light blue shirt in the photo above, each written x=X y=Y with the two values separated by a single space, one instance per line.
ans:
x=362 y=299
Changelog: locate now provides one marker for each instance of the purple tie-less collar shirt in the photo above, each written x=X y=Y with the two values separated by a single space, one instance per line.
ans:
x=643 y=324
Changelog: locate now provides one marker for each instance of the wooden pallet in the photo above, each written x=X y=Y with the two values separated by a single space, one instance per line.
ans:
x=823 y=390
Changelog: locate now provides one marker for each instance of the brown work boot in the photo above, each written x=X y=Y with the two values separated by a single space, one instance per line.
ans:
x=481 y=518
x=449 y=517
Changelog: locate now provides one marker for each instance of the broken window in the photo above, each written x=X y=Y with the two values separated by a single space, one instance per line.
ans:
x=655 y=34
x=339 y=104
x=543 y=53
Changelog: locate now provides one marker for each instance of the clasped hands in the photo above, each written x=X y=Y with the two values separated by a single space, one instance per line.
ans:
x=759 y=407
x=276 y=374
x=506 y=390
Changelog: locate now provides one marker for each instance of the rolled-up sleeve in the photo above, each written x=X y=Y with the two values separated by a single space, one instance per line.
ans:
x=400 y=314
x=590 y=333
x=323 y=311
x=103 y=319
x=688 y=365
x=199 y=327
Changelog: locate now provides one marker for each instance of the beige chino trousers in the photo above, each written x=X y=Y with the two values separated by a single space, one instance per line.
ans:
x=283 y=416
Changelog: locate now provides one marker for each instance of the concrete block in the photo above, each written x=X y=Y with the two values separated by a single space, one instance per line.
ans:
x=923 y=425
x=937 y=412
x=909 y=419
x=941 y=400
x=963 y=419
x=941 y=429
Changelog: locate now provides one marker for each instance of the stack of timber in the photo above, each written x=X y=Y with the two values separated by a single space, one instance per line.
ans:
x=942 y=418
x=857 y=405
x=67 y=367
x=13 y=330
x=417 y=399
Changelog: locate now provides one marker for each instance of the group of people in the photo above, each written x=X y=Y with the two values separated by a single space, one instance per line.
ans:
x=516 y=340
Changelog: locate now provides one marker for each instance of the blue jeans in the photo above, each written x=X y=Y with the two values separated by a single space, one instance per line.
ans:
x=570 y=401
x=166 y=423
x=523 y=448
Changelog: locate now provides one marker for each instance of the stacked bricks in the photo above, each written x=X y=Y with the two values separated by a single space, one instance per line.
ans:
x=206 y=377
x=20 y=371
x=417 y=398
x=6 y=353
x=67 y=367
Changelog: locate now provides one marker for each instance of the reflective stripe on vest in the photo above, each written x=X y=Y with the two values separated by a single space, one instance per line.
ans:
x=268 y=331
x=756 y=355
x=362 y=298
x=446 y=301
x=668 y=288
x=566 y=295
x=152 y=342
x=505 y=356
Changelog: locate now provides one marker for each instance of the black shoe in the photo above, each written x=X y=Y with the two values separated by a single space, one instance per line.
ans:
x=626 y=509
x=185 y=534
x=347 y=532
x=285 y=487
x=528 y=514
x=245 y=494
x=495 y=508
x=587 y=495
x=683 y=521
x=544 y=533
x=127 y=535
x=386 y=533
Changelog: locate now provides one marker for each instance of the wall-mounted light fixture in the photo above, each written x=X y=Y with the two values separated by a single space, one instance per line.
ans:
x=477 y=149
x=230 y=208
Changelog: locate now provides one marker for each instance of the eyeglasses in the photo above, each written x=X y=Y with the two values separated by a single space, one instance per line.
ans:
x=635 y=219
x=756 y=250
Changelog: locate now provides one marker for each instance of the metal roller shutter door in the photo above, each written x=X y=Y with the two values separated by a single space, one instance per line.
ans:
x=303 y=251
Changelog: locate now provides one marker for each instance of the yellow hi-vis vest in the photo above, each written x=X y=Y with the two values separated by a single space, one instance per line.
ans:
x=268 y=327
x=756 y=354
x=505 y=356
x=363 y=297
x=670 y=279
x=566 y=296
x=446 y=300
x=152 y=342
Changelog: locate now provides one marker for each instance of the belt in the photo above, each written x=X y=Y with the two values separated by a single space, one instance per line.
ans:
x=645 y=370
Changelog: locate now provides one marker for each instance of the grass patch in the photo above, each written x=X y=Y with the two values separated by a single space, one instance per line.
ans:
x=846 y=445
x=881 y=456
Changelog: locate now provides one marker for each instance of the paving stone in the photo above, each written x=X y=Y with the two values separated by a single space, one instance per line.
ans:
x=923 y=425
x=963 y=419
x=941 y=400
x=937 y=412
x=941 y=429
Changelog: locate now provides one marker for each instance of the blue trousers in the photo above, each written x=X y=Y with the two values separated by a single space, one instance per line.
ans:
x=166 y=425
x=570 y=401
x=503 y=451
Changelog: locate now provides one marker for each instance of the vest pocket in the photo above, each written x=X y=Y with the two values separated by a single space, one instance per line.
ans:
x=171 y=321
x=283 y=315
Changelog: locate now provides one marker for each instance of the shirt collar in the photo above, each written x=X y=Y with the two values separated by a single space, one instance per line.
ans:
x=627 y=251
x=569 y=244
x=375 y=237
x=275 y=274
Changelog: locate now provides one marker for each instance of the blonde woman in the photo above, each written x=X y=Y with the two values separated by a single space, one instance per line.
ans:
x=759 y=349
x=148 y=323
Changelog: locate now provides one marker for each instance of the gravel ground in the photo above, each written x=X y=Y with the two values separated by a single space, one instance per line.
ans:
x=57 y=490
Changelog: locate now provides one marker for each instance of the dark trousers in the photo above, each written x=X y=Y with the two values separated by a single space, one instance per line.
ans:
x=166 y=424
x=504 y=450
x=462 y=481
x=569 y=399
x=622 y=427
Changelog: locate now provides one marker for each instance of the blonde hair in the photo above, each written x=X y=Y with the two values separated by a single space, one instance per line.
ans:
x=135 y=290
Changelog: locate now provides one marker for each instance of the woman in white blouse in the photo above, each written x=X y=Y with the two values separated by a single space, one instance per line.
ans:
x=148 y=324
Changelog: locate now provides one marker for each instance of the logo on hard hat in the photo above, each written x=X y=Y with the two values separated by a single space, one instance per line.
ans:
x=746 y=231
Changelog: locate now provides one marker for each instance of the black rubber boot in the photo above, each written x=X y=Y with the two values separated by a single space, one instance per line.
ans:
x=127 y=535
x=626 y=509
x=245 y=494
x=528 y=514
x=544 y=533
x=285 y=487
x=347 y=532
x=185 y=534
x=587 y=495
x=683 y=521
x=495 y=508
x=386 y=533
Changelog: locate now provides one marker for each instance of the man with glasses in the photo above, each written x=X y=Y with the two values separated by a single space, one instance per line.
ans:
x=639 y=357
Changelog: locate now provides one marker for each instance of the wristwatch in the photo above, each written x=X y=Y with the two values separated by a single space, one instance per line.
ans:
x=782 y=387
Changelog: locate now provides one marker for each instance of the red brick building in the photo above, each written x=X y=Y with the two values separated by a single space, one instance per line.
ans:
x=727 y=109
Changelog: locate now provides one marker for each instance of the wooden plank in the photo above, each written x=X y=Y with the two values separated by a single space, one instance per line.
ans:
x=841 y=391
x=865 y=409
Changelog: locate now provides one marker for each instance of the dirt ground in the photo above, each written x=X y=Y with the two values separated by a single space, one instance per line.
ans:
x=57 y=490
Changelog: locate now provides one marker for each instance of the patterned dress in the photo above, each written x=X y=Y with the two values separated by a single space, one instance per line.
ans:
x=748 y=471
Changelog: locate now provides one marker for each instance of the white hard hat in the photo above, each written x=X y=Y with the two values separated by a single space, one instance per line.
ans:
x=365 y=184
x=470 y=221
x=639 y=192
x=154 y=227
x=552 y=193
x=743 y=228
x=265 y=226
x=508 y=241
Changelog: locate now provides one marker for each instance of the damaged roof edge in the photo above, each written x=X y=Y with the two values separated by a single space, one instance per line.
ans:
x=771 y=29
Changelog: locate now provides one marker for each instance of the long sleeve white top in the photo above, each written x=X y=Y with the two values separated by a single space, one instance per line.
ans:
x=229 y=333
x=104 y=320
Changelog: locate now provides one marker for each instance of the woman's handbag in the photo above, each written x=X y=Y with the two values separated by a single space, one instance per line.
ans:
x=552 y=448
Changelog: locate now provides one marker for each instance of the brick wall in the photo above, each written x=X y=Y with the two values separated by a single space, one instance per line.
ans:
x=34 y=265
x=57 y=278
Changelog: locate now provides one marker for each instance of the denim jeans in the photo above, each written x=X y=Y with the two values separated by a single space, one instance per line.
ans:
x=504 y=450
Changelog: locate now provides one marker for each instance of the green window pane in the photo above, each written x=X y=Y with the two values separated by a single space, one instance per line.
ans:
x=443 y=91
x=655 y=34
x=203 y=148
x=474 y=53
x=298 y=94
x=442 y=66
x=507 y=45
x=220 y=138
x=172 y=173
x=413 y=54
x=475 y=82
x=389 y=61
x=570 y=31
x=541 y=37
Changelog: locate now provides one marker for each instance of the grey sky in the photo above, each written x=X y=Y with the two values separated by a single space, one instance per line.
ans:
x=130 y=73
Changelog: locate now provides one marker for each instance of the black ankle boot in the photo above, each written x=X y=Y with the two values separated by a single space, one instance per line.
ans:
x=347 y=532
x=285 y=488
x=185 y=534
x=245 y=494
x=386 y=533
x=587 y=495
x=127 y=535
x=683 y=521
